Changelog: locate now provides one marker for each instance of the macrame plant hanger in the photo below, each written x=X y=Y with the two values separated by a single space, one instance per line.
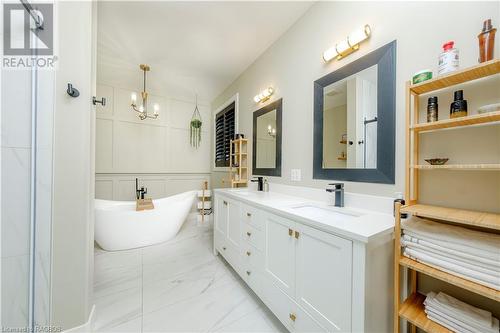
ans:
x=195 y=126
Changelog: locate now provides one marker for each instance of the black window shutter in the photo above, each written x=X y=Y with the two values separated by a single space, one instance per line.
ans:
x=224 y=133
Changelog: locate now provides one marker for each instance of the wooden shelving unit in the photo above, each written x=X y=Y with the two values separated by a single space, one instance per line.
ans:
x=462 y=216
x=412 y=308
x=451 y=278
x=238 y=163
x=462 y=167
x=475 y=119
x=461 y=76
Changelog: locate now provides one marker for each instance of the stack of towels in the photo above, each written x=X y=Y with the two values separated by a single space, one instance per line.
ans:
x=470 y=254
x=458 y=316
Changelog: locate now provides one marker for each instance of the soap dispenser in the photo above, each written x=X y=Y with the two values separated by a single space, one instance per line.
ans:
x=266 y=186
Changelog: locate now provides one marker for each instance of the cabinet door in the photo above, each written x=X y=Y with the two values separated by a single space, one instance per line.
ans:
x=221 y=215
x=279 y=253
x=233 y=224
x=323 y=276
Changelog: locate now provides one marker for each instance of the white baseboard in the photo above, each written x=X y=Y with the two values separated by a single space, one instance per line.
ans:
x=87 y=327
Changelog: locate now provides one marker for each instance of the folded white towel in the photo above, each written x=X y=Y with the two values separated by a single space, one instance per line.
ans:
x=457 y=261
x=458 y=247
x=462 y=314
x=463 y=238
x=446 y=323
x=484 y=262
x=486 y=280
x=462 y=310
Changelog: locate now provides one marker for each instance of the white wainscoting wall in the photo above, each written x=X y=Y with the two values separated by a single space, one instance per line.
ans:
x=158 y=152
x=122 y=186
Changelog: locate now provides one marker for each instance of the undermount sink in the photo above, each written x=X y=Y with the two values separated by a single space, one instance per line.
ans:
x=246 y=193
x=325 y=213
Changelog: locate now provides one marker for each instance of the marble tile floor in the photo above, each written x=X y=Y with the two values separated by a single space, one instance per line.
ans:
x=177 y=286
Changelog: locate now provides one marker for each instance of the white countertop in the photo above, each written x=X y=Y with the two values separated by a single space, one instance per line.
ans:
x=364 y=227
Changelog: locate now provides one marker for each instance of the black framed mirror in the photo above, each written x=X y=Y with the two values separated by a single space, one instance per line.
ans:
x=266 y=147
x=354 y=120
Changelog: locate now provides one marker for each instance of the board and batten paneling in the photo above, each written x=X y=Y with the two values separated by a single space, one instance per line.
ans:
x=122 y=186
x=126 y=144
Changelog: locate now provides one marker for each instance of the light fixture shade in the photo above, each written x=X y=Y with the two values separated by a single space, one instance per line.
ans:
x=359 y=35
x=264 y=95
x=330 y=54
x=133 y=97
x=348 y=45
x=342 y=46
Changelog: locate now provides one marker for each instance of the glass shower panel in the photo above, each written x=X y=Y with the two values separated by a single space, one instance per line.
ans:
x=15 y=197
x=26 y=139
x=43 y=197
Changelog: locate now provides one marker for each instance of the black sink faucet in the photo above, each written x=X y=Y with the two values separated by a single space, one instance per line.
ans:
x=338 y=189
x=260 y=184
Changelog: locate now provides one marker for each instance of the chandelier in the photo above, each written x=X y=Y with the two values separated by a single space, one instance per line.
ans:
x=142 y=110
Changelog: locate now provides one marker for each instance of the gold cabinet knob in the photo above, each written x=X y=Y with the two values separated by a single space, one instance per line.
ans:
x=297 y=234
x=249 y=233
x=248 y=253
x=290 y=232
x=293 y=316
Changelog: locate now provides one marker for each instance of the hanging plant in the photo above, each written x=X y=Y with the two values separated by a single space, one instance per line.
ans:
x=195 y=126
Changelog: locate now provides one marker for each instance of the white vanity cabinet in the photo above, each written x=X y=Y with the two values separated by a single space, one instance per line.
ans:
x=312 y=267
x=227 y=229
x=312 y=280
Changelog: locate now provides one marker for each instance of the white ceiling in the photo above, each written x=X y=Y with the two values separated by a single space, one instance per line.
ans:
x=192 y=47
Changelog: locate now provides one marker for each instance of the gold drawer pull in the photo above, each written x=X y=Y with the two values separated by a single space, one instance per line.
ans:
x=248 y=253
x=249 y=233
x=297 y=234
x=248 y=272
x=248 y=214
x=293 y=316
x=290 y=232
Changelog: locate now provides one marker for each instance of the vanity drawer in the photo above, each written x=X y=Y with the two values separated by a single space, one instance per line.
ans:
x=253 y=277
x=252 y=216
x=231 y=255
x=253 y=236
x=250 y=255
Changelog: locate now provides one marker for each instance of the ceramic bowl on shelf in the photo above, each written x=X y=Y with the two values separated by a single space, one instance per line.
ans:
x=437 y=161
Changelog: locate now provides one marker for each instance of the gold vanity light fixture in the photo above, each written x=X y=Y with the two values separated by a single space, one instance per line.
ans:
x=348 y=45
x=142 y=110
x=264 y=95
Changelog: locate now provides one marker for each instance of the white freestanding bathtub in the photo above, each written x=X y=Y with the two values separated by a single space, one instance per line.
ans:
x=118 y=226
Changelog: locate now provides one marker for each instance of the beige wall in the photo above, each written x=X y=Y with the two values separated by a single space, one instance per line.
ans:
x=292 y=64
